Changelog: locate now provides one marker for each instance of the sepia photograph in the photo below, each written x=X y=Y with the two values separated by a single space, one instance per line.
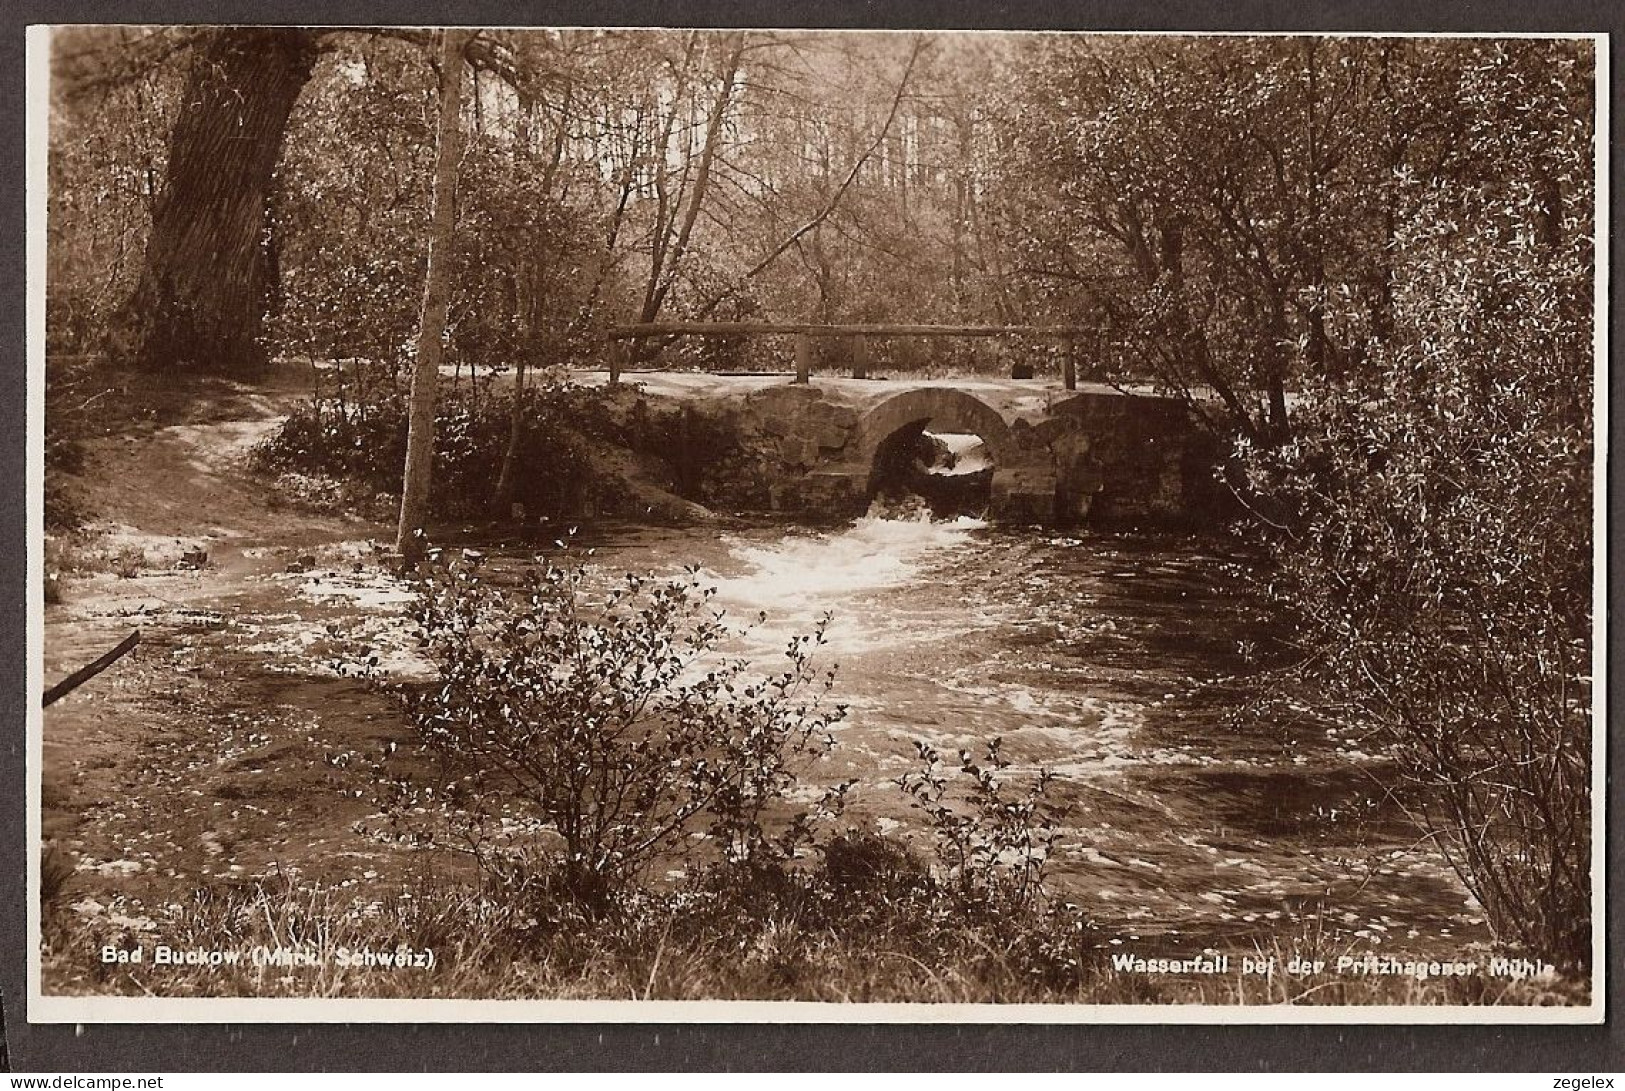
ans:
x=690 y=525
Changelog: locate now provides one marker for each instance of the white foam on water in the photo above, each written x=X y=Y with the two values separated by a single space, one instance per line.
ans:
x=371 y=590
x=966 y=453
x=819 y=572
x=796 y=580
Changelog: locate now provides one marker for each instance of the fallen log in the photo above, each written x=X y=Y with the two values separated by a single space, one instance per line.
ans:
x=86 y=673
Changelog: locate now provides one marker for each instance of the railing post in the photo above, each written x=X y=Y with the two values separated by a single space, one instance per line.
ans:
x=803 y=357
x=1069 y=364
x=860 y=356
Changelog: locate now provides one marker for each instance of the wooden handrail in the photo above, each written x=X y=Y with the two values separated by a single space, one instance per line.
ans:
x=814 y=329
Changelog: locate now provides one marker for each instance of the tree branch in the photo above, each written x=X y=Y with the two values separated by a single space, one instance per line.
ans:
x=851 y=174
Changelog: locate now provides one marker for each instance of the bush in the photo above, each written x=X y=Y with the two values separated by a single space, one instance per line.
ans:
x=626 y=791
x=1444 y=603
x=68 y=399
x=575 y=741
x=1436 y=549
x=991 y=843
x=364 y=441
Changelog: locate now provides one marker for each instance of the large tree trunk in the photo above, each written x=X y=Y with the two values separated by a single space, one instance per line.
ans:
x=200 y=303
x=436 y=298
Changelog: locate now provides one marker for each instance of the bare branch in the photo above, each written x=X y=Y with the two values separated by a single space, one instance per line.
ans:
x=851 y=175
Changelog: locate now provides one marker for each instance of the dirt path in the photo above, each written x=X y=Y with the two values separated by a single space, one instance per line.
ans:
x=218 y=748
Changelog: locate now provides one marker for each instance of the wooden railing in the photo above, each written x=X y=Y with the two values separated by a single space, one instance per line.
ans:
x=857 y=335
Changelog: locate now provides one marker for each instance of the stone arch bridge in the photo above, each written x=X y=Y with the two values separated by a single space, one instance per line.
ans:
x=1091 y=454
x=1097 y=456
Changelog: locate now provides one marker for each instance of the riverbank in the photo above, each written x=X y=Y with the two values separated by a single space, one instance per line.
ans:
x=199 y=757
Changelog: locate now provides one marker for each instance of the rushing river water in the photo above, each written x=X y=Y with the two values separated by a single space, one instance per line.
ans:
x=1105 y=660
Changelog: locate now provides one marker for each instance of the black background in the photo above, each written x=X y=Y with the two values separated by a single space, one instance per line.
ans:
x=645 y=1047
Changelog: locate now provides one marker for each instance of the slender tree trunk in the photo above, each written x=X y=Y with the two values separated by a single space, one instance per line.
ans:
x=524 y=316
x=675 y=220
x=436 y=298
x=528 y=294
x=502 y=500
x=1187 y=342
x=961 y=212
x=201 y=299
x=1382 y=317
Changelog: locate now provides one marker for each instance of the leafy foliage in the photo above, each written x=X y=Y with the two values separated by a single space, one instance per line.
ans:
x=1371 y=261
x=357 y=434
x=992 y=845
x=1436 y=545
x=576 y=739
x=107 y=161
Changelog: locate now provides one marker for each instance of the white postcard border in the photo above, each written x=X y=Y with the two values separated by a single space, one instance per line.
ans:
x=173 y=1010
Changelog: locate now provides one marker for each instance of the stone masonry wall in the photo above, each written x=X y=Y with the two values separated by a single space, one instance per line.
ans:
x=1101 y=459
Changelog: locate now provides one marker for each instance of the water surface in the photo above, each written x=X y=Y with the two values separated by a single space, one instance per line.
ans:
x=1114 y=662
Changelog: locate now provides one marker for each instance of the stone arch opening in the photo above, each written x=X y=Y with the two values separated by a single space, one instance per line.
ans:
x=935 y=445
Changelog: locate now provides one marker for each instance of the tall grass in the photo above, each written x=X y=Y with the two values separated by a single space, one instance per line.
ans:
x=865 y=924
